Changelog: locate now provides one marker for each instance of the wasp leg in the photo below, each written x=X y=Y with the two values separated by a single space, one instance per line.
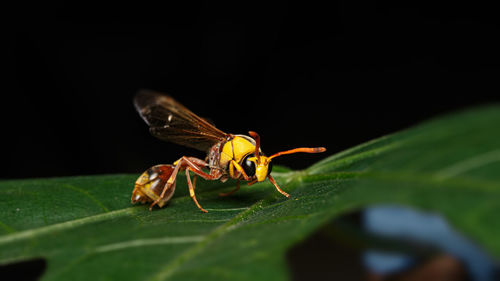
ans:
x=196 y=168
x=168 y=185
x=167 y=193
x=252 y=182
x=232 y=191
x=193 y=164
x=151 y=183
x=194 y=181
x=271 y=179
x=240 y=169
x=191 y=191
x=181 y=164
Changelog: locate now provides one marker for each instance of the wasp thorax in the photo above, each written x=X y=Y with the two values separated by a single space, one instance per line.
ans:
x=151 y=184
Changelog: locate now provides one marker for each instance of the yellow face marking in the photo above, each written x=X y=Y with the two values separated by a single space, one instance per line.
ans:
x=235 y=167
x=261 y=167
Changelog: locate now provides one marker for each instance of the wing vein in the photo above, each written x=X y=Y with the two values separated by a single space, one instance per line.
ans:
x=171 y=121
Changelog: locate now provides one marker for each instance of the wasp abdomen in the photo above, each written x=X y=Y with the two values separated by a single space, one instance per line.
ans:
x=150 y=185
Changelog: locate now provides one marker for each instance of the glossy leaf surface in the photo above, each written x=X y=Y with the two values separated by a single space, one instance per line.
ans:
x=86 y=228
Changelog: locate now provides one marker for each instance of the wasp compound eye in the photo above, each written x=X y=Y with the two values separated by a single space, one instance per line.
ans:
x=269 y=168
x=248 y=166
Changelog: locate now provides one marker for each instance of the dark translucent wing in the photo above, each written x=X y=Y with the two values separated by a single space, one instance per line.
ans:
x=170 y=121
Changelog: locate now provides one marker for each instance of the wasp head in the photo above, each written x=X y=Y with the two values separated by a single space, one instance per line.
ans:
x=262 y=165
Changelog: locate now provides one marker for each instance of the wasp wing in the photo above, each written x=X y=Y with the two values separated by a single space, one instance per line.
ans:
x=170 y=121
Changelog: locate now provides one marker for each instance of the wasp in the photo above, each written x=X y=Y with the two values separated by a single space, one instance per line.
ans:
x=228 y=156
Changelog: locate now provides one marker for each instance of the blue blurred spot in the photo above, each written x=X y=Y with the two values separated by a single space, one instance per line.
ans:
x=412 y=225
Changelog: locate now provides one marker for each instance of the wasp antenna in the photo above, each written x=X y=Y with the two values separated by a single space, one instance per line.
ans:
x=300 y=149
x=256 y=137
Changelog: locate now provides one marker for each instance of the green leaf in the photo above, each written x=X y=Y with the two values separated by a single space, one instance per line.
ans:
x=86 y=228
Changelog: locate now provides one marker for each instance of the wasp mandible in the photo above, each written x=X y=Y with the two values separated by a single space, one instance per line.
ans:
x=228 y=156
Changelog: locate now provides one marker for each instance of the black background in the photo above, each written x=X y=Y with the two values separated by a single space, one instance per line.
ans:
x=300 y=74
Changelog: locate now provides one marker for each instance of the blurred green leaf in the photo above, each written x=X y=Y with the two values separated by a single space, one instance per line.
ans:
x=86 y=228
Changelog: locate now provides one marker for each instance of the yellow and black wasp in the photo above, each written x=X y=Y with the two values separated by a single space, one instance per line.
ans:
x=228 y=156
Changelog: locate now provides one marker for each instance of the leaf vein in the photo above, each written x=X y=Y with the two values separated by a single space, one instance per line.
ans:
x=32 y=233
x=86 y=193
x=148 y=242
